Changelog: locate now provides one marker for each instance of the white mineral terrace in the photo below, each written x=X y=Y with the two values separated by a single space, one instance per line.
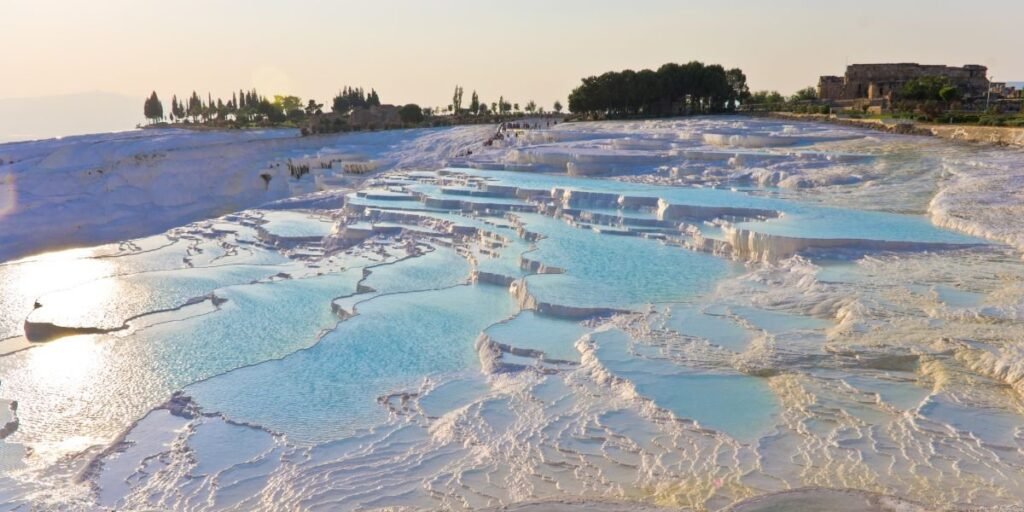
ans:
x=699 y=314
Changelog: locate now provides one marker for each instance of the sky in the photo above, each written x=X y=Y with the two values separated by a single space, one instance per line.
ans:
x=418 y=50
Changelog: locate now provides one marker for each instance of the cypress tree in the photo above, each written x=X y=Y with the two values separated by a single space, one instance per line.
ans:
x=195 y=106
x=152 y=108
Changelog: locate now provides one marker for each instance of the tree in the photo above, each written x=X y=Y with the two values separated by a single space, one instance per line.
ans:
x=272 y=112
x=287 y=103
x=353 y=97
x=530 y=107
x=314 y=108
x=456 y=100
x=195 y=106
x=923 y=89
x=174 y=107
x=950 y=94
x=738 y=83
x=515 y=107
x=766 y=98
x=474 y=103
x=152 y=108
x=340 y=103
x=806 y=94
x=557 y=106
x=290 y=107
x=179 y=108
x=411 y=114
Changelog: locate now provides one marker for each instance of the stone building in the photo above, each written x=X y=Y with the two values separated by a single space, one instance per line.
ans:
x=375 y=117
x=880 y=81
x=1004 y=90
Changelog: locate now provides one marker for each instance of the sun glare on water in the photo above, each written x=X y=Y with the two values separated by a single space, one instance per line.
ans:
x=71 y=364
x=26 y=282
x=55 y=382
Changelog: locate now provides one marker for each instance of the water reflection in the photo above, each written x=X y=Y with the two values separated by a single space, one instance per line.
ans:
x=23 y=282
x=63 y=375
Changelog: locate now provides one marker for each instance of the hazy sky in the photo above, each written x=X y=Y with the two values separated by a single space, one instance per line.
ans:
x=417 y=50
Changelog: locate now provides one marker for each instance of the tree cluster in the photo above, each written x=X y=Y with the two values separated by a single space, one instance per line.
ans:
x=673 y=89
x=250 y=107
x=766 y=98
x=243 y=106
x=929 y=88
x=411 y=114
x=478 y=107
x=353 y=97
x=808 y=93
x=929 y=96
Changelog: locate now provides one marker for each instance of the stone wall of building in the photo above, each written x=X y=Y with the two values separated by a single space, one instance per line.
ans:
x=875 y=81
x=382 y=116
x=831 y=87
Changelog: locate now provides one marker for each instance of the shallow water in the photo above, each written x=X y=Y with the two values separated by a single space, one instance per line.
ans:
x=395 y=341
x=555 y=337
x=609 y=271
x=466 y=338
x=294 y=225
x=739 y=405
x=716 y=328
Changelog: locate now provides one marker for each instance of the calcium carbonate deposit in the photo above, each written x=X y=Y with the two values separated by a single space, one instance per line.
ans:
x=697 y=314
